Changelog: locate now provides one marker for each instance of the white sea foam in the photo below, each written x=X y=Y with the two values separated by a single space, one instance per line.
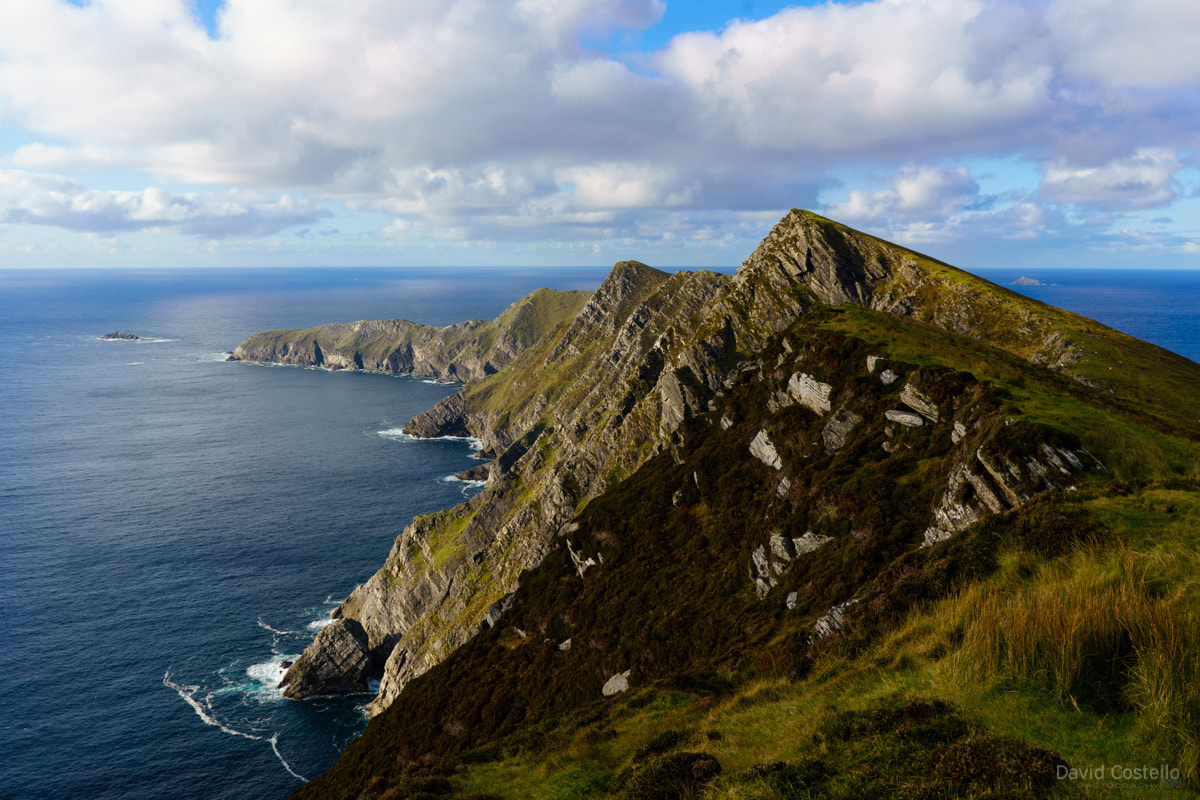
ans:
x=317 y=624
x=203 y=709
x=466 y=485
x=266 y=677
x=274 y=740
x=399 y=435
x=135 y=363
x=456 y=479
x=276 y=631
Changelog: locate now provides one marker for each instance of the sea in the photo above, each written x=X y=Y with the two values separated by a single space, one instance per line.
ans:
x=174 y=526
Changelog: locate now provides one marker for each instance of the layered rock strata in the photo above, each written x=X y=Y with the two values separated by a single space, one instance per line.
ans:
x=589 y=402
x=464 y=351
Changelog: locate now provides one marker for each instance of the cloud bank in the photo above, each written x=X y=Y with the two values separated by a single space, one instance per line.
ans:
x=495 y=121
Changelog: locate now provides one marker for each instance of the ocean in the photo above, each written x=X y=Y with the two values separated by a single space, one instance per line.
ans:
x=172 y=526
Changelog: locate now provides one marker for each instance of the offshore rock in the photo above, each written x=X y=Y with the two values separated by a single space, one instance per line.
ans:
x=338 y=661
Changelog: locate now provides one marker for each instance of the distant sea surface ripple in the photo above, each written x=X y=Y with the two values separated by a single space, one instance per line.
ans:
x=173 y=526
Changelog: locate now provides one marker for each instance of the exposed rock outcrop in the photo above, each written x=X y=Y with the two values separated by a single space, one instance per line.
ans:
x=592 y=400
x=338 y=661
x=989 y=483
x=762 y=449
x=810 y=392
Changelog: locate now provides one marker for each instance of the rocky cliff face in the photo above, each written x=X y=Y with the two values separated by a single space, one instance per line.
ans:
x=587 y=404
x=464 y=351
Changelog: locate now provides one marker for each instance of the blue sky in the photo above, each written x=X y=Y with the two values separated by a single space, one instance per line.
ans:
x=989 y=133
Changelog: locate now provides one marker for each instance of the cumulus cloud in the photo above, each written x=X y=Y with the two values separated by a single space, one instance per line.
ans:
x=857 y=79
x=463 y=116
x=41 y=199
x=1144 y=180
x=918 y=191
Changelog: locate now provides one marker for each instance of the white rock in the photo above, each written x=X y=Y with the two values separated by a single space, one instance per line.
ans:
x=762 y=449
x=887 y=377
x=919 y=402
x=905 y=418
x=780 y=547
x=616 y=684
x=810 y=392
x=808 y=542
x=832 y=620
x=958 y=433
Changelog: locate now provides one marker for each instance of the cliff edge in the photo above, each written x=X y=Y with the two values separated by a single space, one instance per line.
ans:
x=590 y=402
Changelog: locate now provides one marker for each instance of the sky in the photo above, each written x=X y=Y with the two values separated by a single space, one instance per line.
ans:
x=988 y=133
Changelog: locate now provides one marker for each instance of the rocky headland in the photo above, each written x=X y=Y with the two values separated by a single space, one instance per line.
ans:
x=461 y=352
x=846 y=474
x=587 y=404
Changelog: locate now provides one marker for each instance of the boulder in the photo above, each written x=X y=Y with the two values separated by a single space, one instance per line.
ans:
x=810 y=392
x=834 y=434
x=762 y=449
x=616 y=684
x=906 y=418
x=919 y=402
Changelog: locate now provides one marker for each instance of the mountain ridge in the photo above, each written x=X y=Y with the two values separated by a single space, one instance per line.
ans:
x=935 y=400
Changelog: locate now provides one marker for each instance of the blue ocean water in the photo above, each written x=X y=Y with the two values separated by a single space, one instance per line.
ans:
x=172 y=526
x=1160 y=306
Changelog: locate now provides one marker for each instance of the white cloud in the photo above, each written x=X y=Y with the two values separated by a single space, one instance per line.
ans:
x=40 y=199
x=475 y=118
x=918 y=191
x=1144 y=180
x=856 y=79
x=1121 y=43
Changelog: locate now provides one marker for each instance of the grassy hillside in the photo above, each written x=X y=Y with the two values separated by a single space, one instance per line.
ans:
x=1058 y=634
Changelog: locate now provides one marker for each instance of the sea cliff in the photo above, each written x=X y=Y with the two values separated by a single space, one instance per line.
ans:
x=722 y=492
x=587 y=404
